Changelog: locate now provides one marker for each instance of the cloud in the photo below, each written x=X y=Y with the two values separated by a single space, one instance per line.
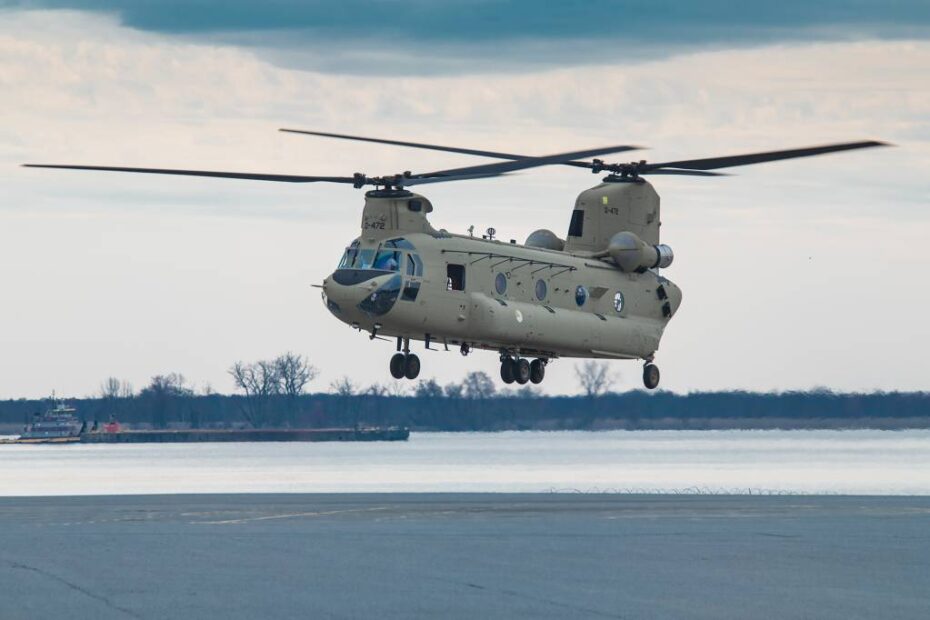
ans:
x=392 y=37
x=795 y=273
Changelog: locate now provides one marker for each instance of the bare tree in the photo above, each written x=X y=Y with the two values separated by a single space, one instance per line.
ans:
x=376 y=389
x=453 y=390
x=112 y=388
x=396 y=389
x=593 y=377
x=343 y=387
x=477 y=385
x=259 y=381
x=163 y=393
x=113 y=392
x=428 y=389
x=294 y=372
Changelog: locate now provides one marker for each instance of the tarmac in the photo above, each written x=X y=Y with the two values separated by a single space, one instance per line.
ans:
x=464 y=556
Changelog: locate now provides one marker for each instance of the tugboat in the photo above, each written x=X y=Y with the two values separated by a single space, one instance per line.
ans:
x=57 y=425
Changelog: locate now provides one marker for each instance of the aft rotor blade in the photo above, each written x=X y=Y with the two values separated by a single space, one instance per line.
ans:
x=438 y=147
x=712 y=163
x=523 y=164
x=252 y=176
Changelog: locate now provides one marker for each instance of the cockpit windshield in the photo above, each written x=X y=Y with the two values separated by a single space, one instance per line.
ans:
x=387 y=257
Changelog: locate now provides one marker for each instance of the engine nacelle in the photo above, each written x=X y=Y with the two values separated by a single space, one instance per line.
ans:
x=631 y=253
x=545 y=239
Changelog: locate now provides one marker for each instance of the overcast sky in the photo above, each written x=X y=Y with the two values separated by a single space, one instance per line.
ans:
x=795 y=274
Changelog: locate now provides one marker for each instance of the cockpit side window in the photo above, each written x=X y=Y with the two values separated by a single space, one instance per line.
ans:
x=414 y=265
x=348 y=259
x=387 y=260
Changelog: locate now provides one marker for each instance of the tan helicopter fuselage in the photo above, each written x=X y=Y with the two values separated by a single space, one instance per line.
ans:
x=403 y=278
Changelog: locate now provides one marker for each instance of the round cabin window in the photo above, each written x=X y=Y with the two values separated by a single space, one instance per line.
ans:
x=618 y=302
x=541 y=290
x=581 y=295
x=500 y=284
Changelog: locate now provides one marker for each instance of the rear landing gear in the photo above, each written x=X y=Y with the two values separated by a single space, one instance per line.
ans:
x=651 y=376
x=521 y=370
x=538 y=370
x=507 y=374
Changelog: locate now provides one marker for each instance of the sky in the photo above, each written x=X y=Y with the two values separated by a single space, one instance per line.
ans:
x=796 y=275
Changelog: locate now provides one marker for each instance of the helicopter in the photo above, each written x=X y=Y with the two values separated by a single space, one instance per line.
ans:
x=597 y=293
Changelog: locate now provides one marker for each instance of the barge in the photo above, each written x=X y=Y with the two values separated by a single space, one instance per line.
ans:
x=256 y=434
x=60 y=425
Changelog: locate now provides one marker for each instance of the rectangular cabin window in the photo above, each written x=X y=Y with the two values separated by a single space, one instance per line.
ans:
x=576 y=227
x=411 y=290
x=455 y=277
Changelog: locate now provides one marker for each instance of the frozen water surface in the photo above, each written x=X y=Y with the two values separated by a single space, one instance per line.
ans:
x=819 y=462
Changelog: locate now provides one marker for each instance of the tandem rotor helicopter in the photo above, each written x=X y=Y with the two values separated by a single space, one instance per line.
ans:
x=597 y=293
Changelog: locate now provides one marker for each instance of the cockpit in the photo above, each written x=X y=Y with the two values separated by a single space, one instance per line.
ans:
x=393 y=255
x=364 y=262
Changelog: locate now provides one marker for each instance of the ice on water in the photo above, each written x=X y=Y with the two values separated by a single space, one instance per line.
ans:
x=845 y=462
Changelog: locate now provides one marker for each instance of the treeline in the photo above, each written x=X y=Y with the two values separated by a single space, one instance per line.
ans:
x=273 y=394
x=470 y=407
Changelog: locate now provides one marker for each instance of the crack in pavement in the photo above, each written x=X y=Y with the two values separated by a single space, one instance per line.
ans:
x=75 y=587
x=291 y=515
x=522 y=595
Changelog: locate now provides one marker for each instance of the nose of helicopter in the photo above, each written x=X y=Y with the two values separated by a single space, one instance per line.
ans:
x=352 y=294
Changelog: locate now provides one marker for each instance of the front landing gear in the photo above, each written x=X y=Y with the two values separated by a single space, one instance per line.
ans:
x=651 y=376
x=405 y=364
x=398 y=362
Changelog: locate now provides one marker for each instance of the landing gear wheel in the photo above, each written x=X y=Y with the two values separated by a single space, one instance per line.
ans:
x=507 y=370
x=521 y=371
x=411 y=366
x=537 y=371
x=651 y=376
x=397 y=365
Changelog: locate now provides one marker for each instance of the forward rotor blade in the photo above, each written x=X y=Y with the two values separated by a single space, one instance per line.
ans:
x=416 y=145
x=689 y=173
x=523 y=164
x=458 y=177
x=437 y=147
x=712 y=163
x=281 y=178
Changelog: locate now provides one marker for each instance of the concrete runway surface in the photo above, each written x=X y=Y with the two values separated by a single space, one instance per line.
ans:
x=464 y=556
